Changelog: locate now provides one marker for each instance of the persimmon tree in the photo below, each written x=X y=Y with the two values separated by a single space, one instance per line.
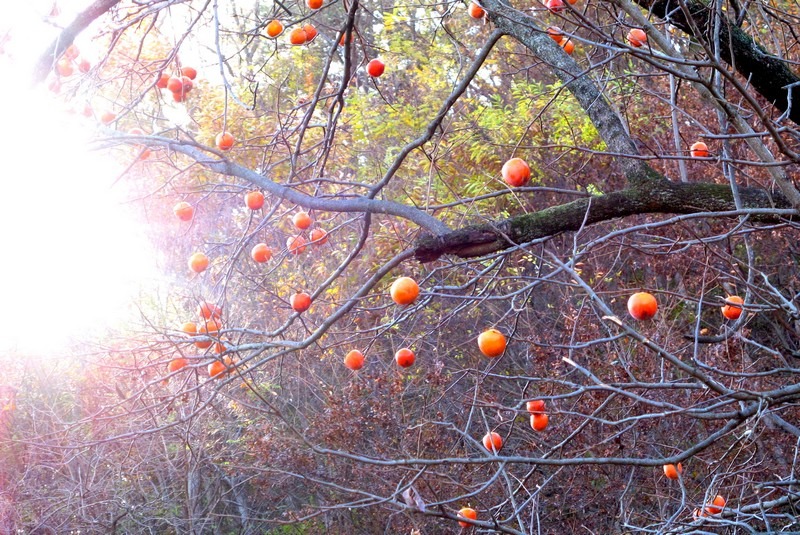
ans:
x=583 y=406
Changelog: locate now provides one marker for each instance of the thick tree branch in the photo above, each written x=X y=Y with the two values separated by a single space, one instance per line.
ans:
x=768 y=75
x=46 y=61
x=663 y=197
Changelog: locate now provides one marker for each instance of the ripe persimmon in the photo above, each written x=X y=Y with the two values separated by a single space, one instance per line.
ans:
x=699 y=150
x=467 y=512
x=642 y=306
x=297 y=37
x=311 y=32
x=189 y=328
x=296 y=245
x=189 y=72
x=177 y=364
x=300 y=301
x=404 y=357
x=672 y=471
x=224 y=141
x=535 y=407
x=404 y=291
x=254 y=200
x=540 y=421
x=555 y=33
x=198 y=262
x=274 y=28
x=492 y=343
x=219 y=368
x=314 y=4
x=203 y=344
x=210 y=327
x=354 y=360
x=732 y=309
x=475 y=11
x=162 y=81
x=516 y=172
x=637 y=38
x=492 y=441
x=555 y=5
x=568 y=46
x=108 y=117
x=261 y=253
x=175 y=84
x=716 y=505
x=302 y=220
x=318 y=237
x=207 y=310
x=375 y=68
x=72 y=51
x=183 y=211
x=84 y=66
x=64 y=67
x=188 y=85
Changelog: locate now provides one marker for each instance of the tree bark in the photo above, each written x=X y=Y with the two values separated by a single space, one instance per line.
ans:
x=767 y=74
x=662 y=197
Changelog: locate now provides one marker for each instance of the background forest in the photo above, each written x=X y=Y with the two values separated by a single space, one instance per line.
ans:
x=335 y=198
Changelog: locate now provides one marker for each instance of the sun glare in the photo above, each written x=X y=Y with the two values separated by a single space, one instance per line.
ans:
x=74 y=253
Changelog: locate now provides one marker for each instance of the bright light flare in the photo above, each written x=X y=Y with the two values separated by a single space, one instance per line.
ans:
x=74 y=255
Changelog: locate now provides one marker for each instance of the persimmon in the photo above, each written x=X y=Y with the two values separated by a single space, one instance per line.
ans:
x=555 y=33
x=302 y=220
x=189 y=328
x=555 y=5
x=179 y=97
x=492 y=343
x=539 y=422
x=672 y=471
x=188 y=85
x=210 y=326
x=467 y=512
x=716 y=505
x=300 y=301
x=642 y=306
x=375 y=68
x=189 y=72
x=404 y=291
x=343 y=39
x=261 y=253
x=177 y=364
x=314 y=4
x=492 y=441
x=297 y=37
x=224 y=141
x=732 y=309
x=516 y=172
x=207 y=310
x=175 y=84
x=72 y=52
x=475 y=11
x=108 y=117
x=84 y=66
x=354 y=360
x=699 y=150
x=535 y=407
x=296 y=245
x=274 y=28
x=162 y=81
x=404 y=357
x=64 y=67
x=311 y=32
x=183 y=211
x=254 y=200
x=203 y=344
x=568 y=46
x=198 y=262
x=219 y=347
x=637 y=38
x=319 y=237
x=219 y=368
